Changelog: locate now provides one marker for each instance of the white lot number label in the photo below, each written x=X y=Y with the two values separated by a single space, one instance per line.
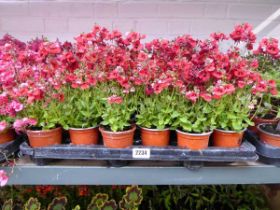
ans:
x=141 y=153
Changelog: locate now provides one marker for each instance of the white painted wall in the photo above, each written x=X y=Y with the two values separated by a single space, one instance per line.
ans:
x=63 y=19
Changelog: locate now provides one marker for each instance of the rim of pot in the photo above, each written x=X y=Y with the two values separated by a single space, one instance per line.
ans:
x=78 y=129
x=49 y=130
x=195 y=134
x=101 y=129
x=275 y=118
x=153 y=129
x=262 y=130
x=227 y=131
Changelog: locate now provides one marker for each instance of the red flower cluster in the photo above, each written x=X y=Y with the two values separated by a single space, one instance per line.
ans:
x=38 y=71
x=43 y=190
x=244 y=33
x=83 y=191
x=115 y=99
x=269 y=47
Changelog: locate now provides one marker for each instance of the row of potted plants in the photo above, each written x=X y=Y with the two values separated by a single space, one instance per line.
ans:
x=110 y=82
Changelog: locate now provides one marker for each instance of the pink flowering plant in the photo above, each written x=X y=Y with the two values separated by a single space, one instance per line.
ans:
x=3 y=178
x=267 y=58
x=240 y=85
x=220 y=87
x=108 y=78
x=40 y=89
x=118 y=109
x=9 y=109
x=157 y=86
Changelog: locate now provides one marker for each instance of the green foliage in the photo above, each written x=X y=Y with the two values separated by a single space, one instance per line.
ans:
x=77 y=208
x=48 y=115
x=117 y=117
x=193 y=117
x=232 y=112
x=267 y=106
x=109 y=205
x=101 y=202
x=98 y=201
x=233 y=197
x=58 y=203
x=32 y=204
x=82 y=108
x=156 y=111
x=132 y=198
x=8 y=205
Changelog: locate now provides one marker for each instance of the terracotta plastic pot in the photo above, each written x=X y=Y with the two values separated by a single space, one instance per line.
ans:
x=84 y=136
x=155 y=137
x=269 y=138
x=258 y=121
x=223 y=138
x=120 y=139
x=7 y=135
x=194 y=141
x=43 y=138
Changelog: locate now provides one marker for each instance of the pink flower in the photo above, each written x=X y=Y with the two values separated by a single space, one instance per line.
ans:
x=3 y=125
x=16 y=106
x=191 y=95
x=261 y=87
x=3 y=178
x=229 y=88
x=21 y=124
x=114 y=99
x=218 y=92
x=271 y=83
x=149 y=90
x=218 y=36
x=273 y=91
x=206 y=96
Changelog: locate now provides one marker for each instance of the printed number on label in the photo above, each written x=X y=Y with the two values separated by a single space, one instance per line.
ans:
x=139 y=153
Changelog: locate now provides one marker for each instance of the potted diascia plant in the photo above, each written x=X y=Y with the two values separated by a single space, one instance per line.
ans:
x=266 y=116
x=267 y=58
x=157 y=101
x=235 y=88
x=82 y=115
x=10 y=105
x=193 y=120
x=82 y=104
x=117 y=76
x=155 y=117
x=193 y=116
x=40 y=90
x=117 y=128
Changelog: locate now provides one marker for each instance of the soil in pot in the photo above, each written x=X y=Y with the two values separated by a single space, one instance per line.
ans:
x=7 y=135
x=84 y=136
x=193 y=141
x=269 y=134
x=120 y=139
x=155 y=137
x=230 y=139
x=43 y=138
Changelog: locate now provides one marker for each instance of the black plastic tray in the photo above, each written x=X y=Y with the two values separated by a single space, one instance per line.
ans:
x=267 y=153
x=10 y=148
x=119 y=157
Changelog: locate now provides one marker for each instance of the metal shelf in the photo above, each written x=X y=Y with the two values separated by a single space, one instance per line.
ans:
x=141 y=173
